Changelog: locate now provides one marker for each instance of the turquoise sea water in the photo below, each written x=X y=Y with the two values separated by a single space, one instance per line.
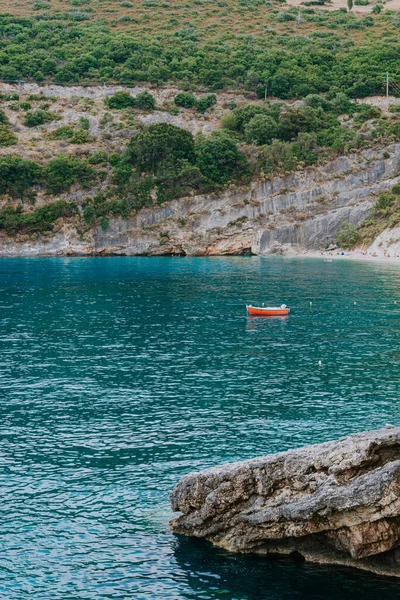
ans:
x=119 y=375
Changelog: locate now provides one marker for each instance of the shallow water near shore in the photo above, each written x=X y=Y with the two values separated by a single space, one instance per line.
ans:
x=119 y=375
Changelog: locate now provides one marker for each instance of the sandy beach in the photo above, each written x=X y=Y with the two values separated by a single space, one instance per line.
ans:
x=348 y=255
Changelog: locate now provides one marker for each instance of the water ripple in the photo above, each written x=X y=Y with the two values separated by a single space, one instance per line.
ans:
x=117 y=376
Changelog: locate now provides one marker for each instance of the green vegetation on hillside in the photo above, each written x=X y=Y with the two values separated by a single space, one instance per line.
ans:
x=289 y=137
x=262 y=49
x=51 y=47
x=14 y=221
x=386 y=213
x=163 y=162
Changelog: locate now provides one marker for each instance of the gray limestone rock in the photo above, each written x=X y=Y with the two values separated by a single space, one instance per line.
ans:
x=337 y=502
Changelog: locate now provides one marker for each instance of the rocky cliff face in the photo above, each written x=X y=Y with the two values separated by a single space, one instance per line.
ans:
x=337 y=502
x=288 y=214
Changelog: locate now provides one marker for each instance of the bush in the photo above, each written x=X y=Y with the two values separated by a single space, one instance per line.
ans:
x=342 y=104
x=365 y=112
x=305 y=147
x=206 y=102
x=12 y=96
x=3 y=118
x=99 y=157
x=185 y=99
x=347 y=236
x=7 y=137
x=385 y=201
x=396 y=189
x=114 y=158
x=261 y=129
x=80 y=136
x=12 y=221
x=244 y=114
x=160 y=146
x=18 y=176
x=144 y=101
x=316 y=101
x=89 y=214
x=65 y=132
x=104 y=224
x=63 y=171
x=120 y=100
x=277 y=157
x=219 y=159
x=84 y=123
x=229 y=121
x=33 y=118
x=294 y=120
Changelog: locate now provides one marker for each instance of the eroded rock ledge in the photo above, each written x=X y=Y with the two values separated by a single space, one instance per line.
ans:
x=337 y=502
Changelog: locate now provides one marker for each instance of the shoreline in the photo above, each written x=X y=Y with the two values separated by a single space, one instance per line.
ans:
x=349 y=255
x=326 y=256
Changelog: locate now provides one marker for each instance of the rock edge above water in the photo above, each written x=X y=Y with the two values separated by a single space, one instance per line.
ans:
x=336 y=502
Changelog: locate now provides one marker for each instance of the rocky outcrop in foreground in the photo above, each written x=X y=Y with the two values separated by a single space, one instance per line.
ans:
x=337 y=502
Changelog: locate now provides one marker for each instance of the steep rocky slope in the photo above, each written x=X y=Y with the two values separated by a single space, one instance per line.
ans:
x=292 y=213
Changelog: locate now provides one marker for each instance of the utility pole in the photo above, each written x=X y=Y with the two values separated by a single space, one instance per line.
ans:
x=387 y=89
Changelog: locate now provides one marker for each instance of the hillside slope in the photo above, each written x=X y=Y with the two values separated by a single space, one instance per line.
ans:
x=288 y=214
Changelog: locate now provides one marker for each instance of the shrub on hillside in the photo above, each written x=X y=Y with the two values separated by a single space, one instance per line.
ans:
x=18 y=176
x=159 y=146
x=99 y=157
x=80 y=136
x=244 y=114
x=185 y=99
x=12 y=221
x=277 y=157
x=206 y=102
x=219 y=159
x=385 y=201
x=305 y=147
x=294 y=120
x=84 y=123
x=7 y=137
x=33 y=118
x=261 y=129
x=316 y=101
x=3 y=118
x=65 y=132
x=120 y=100
x=144 y=101
x=347 y=236
x=342 y=104
x=63 y=171
x=229 y=121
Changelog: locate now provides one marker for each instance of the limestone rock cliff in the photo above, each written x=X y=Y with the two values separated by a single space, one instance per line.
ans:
x=336 y=502
x=285 y=214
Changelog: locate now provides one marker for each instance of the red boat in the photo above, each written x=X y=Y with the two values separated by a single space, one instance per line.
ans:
x=268 y=311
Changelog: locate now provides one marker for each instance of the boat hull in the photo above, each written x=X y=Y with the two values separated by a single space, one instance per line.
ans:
x=267 y=312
